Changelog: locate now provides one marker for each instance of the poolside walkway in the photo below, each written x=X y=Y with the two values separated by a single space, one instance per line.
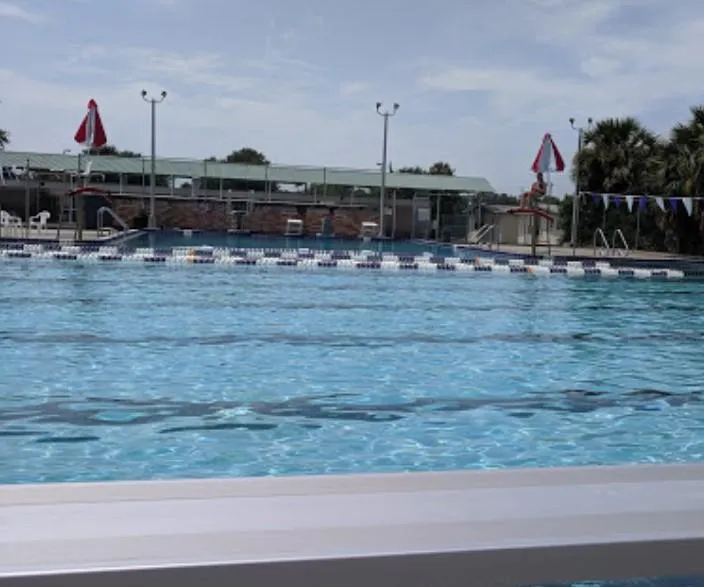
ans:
x=490 y=528
x=588 y=252
x=65 y=234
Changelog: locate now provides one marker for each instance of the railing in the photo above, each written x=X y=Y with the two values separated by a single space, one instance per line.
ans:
x=480 y=234
x=505 y=528
x=290 y=198
x=601 y=244
x=623 y=250
x=101 y=219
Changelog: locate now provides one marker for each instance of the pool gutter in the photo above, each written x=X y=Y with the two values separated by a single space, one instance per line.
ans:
x=489 y=528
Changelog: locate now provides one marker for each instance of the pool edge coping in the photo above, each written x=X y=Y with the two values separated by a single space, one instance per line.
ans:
x=652 y=514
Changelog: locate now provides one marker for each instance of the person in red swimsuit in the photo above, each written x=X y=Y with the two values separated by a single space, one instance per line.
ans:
x=537 y=190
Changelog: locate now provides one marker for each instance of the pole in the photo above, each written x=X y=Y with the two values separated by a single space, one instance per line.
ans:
x=26 y=199
x=382 y=190
x=152 y=174
x=576 y=199
x=393 y=218
x=385 y=114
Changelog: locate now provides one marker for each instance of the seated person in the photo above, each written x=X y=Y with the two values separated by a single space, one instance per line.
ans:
x=537 y=190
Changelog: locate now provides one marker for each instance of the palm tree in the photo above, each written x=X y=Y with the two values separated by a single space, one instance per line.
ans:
x=684 y=176
x=4 y=139
x=619 y=156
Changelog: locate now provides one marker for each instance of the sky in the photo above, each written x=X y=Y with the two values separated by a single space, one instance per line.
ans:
x=478 y=81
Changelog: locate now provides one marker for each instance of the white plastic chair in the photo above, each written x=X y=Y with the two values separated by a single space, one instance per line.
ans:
x=39 y=221
x=9 y=221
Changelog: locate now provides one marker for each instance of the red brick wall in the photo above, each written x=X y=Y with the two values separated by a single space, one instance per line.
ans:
x=265 y=218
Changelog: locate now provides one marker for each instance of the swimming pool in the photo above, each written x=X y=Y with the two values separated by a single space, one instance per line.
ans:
x=179 y=238
x=144 y=371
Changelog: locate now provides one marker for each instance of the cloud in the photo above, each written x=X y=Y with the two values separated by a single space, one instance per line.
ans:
x=353 y=88
x=12 y=10
x=478 y=82
x=584 y=69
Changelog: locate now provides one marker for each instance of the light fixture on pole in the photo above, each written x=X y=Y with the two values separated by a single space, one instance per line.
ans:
x=385 y=114
x=576 y=200
x=152 y=180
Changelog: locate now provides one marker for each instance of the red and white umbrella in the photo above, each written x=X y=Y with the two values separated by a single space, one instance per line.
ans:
x=548 y=158
x=91 y=133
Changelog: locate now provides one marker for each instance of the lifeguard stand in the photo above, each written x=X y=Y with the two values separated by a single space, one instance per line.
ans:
x=536 y=214
x=294 y=227
x=548 y=159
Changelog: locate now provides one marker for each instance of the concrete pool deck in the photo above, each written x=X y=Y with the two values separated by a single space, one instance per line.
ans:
x=65 y=234
x=506 y=528
x=588 y=253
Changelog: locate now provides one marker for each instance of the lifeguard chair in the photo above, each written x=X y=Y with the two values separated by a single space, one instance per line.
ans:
x=548 y=159
x=294 y=227
x=368 y=231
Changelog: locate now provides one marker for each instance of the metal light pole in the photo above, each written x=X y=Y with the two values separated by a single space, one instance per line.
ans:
x=152 y=179
x=385 y=114
x=576 y=200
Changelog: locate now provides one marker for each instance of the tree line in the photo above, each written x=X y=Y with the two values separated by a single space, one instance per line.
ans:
x=621 y=156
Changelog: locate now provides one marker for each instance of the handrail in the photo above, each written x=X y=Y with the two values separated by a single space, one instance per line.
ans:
x=101 y=214
x=624 y=250
x=481 y=233
x=604 y=246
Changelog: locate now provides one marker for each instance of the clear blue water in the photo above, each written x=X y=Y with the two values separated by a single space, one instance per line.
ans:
x=176 y=238
x=123 y=372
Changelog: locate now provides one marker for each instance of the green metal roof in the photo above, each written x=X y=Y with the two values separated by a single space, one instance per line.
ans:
x=277 y=173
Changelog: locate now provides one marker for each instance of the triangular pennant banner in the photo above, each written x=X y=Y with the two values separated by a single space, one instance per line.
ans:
x=617 y=201
x=595 y=198
x=661 y=203
x=643 y=203
x=605 y=198
x=687 y=205
x=629 y=202
x=673 y=204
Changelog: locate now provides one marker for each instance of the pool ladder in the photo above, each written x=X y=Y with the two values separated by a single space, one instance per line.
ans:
x=101 y=219
x=618 y=246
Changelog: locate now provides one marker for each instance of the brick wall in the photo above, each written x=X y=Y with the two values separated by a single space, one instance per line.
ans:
x=265 y=218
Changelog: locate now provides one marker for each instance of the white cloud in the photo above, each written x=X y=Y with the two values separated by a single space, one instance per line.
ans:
x=478 y=86
x=353 y=88
x=14 y=10
x=627 y=74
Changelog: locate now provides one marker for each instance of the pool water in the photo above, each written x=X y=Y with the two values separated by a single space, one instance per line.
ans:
x=121 y=372
x=177 y=238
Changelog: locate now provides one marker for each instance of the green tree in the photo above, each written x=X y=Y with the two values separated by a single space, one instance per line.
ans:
x=4 y=139
x=112 y=151
x=248 y=156
x=619 y=156
x=414 y=170
x=441 y=168
x=243 y=156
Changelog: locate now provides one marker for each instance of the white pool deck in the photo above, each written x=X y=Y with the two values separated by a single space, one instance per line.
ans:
x=489 y=529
